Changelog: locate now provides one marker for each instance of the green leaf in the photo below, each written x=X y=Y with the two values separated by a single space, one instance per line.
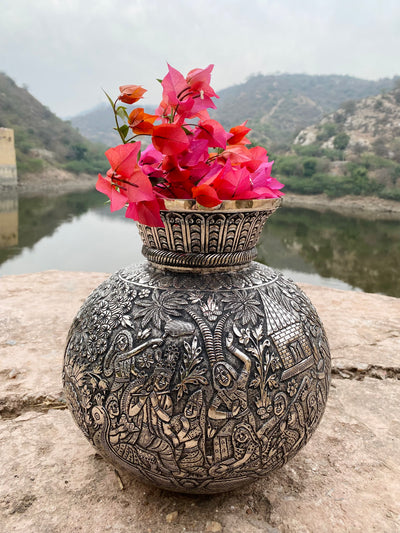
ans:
x=109 y=99
x=122 y=113
x=124 y=129
x=188 y=132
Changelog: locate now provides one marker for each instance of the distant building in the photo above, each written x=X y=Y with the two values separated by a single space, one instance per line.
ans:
x=8 y=161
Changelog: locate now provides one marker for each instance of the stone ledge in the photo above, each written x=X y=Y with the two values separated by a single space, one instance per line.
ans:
x=345 y=479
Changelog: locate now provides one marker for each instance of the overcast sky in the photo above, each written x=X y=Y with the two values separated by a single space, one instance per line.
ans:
x=66 y=51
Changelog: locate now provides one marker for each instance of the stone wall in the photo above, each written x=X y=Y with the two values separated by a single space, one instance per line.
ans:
x=8 y=162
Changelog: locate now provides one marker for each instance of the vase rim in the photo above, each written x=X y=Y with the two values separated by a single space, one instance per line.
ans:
x=257 y=204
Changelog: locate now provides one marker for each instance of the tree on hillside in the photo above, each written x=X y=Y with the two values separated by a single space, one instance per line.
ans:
x=341 y=141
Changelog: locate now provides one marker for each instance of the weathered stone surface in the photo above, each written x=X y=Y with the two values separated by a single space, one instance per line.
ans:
x=51 y=479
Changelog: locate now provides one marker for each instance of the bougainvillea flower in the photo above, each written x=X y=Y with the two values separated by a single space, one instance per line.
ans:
x=196 y=152
x=125 y=181
x=140 y=122
x=174 y=86
x=186 y=98
x=123 y=158
x=213 y=132
x=147 y=213
x=170 y=139
x=239 y=134
x=131 y=93
x=237 y=154
x=150 y=161
x=258 y=156
x=232 y=182
x=199 y=80
x=206 y=195
x=117 y=196
x=178 y=163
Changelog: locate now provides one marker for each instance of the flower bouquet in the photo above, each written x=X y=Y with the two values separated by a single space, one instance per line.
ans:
x=191 y=156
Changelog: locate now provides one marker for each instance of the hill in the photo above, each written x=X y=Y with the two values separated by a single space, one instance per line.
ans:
x=98 y=124
x=277 y=106
x=355 y=150
x=42 y=140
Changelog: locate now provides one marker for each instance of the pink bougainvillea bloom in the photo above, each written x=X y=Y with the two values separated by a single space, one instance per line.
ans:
x=125 y=181
x=170 y=139
x=258 y=156
x=196 y=152
x=174 y=86
x=213 y=132
x=173 y=172
x=199 y=80
x=131 y=93
x=186 y=98
x=147 y=213
x=117 y=197
x=239 y=134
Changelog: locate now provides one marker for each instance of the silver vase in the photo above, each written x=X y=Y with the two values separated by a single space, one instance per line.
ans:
x=200 y=370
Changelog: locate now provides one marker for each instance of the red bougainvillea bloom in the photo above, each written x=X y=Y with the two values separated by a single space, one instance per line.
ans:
x=131 y=93
x=173 y=172
x=206 y=195
x=237 y=154
x=170 y=139
x=140 y=122
x=239 y=134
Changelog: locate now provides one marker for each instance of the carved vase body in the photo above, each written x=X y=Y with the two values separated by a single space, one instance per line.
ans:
x=200 y=370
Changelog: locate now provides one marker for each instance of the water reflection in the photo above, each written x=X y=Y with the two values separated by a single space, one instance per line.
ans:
x=8 y=218
x=362 y=253
x=77 y=232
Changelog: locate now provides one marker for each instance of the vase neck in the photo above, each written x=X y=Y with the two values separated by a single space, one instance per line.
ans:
x=209 y=241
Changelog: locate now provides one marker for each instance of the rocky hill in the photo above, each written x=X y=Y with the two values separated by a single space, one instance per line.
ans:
x=42 y=140
x=355 y=150
x=372 y=125
x=277 y=106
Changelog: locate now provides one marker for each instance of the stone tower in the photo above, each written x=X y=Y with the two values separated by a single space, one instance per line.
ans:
x=8 y=162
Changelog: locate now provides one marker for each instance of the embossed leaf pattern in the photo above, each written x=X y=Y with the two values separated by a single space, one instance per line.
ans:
x=246 y=308
x=159 y=308
x=188 y=372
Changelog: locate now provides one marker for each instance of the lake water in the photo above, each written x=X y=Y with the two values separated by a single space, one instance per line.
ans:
x=77 y=232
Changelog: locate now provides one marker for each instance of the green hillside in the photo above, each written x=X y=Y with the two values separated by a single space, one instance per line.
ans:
x=279 y=106
x=42 y=140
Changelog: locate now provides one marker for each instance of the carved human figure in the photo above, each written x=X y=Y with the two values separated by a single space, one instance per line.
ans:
x=189 y=434
x=246 y=450
x=151 y=411
x=120 y=428
x=231 y=395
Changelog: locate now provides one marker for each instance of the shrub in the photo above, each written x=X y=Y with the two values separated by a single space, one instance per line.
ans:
x=341 y=141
